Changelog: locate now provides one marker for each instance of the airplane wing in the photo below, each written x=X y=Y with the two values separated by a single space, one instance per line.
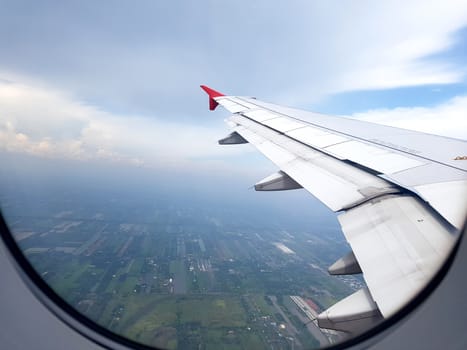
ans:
x=400 y=194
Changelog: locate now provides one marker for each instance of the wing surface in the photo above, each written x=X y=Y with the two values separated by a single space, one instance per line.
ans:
x=400 y=193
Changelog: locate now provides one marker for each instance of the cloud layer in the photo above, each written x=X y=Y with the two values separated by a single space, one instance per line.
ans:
x=43 y=122
x=143 y=58
x=447 y=119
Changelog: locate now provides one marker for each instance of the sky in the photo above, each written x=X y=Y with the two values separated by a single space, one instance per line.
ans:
x=118 y=82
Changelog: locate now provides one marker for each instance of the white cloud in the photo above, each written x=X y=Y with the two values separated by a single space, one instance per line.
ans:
x=447 y=119
x=365 y=45
x=44 y=122
x=294 y=52
x=392 y=40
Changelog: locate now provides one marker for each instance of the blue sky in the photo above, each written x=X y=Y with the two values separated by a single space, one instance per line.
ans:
x=119 y=81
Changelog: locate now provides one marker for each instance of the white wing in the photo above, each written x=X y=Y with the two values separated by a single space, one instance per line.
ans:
x=401 y=195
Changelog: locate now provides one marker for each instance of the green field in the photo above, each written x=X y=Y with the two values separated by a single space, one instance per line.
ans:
x=170 y=321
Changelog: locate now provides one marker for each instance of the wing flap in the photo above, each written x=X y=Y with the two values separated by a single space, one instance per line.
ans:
x=316 y=137
x=283 y=124
x=234 y=105
x=399 y=245
x=373 y=157
x=448 y=197
x=260 y=115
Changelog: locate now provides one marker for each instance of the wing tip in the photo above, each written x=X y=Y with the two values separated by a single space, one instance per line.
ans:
x=212 y=94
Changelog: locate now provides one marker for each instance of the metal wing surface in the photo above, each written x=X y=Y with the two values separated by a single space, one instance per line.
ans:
x=400 y=194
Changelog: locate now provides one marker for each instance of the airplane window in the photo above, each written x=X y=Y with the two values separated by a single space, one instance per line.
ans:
x=119 y=197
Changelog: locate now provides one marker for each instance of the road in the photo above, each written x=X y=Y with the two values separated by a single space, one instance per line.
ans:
x=290 y=327
x=311 y=326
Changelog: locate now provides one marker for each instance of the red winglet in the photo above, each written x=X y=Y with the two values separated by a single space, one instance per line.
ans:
x=212 y=93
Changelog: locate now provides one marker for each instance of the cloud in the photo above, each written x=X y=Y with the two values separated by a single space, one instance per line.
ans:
x=48 y=123
x=377 y=45
x=447 y=119
x=143 y=59
x=44 y=122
